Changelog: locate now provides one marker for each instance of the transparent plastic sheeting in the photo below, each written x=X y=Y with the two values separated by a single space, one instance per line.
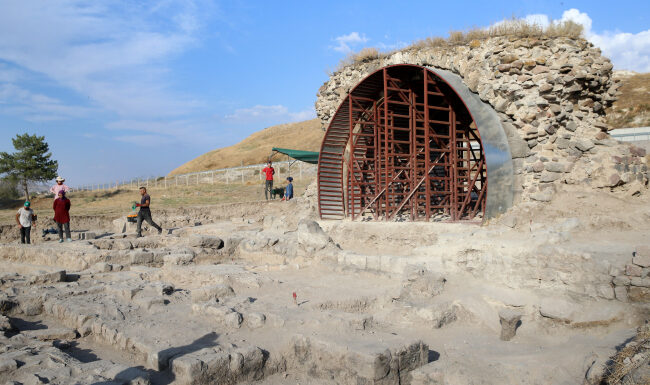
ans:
x=500 y=185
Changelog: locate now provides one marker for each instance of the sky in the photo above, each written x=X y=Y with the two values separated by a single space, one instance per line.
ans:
x=127 y=89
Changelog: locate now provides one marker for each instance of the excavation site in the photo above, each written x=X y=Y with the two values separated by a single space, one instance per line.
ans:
x=470 y=220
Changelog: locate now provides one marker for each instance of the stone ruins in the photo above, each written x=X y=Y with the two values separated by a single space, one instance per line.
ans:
x=267 y=293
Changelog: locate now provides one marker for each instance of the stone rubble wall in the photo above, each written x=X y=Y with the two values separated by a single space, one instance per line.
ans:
x=551 y=96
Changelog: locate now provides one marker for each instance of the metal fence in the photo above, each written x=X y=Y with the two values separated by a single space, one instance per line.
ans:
x=634 y=134
x=241 y=175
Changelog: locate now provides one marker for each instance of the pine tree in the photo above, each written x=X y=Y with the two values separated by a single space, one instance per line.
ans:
x=30 y=163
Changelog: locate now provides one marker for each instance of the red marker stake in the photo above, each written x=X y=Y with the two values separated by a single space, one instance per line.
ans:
x=295 y=298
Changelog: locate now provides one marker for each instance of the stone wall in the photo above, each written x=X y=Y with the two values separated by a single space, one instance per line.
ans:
x=551 y=96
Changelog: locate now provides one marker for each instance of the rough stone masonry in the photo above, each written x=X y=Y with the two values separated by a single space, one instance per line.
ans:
x=551 y=95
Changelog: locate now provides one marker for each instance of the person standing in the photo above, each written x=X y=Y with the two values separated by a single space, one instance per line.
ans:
x=268 y=184
x=59 y=186
x=61 y=208
x=145 y=212
x=26 y=219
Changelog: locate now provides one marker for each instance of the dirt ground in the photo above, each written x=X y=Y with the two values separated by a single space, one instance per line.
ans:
x=212 y=301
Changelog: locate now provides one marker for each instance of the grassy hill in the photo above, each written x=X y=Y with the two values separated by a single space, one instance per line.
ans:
x=256 y=148
x=632 y=109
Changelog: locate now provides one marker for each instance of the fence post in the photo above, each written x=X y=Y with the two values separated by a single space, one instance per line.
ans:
x=212 y=177
x=187 y=180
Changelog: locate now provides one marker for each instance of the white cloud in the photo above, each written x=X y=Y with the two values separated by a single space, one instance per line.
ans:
x=578 y=17
x=539 y=19
x=114 y=52
x=145 y=140
x=37 y=107
x=260 y=113
x=184 y=131
x=346 y=42
x=629 y=51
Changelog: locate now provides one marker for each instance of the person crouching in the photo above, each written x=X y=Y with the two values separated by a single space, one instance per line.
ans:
x=61 y=208
x=288 y=191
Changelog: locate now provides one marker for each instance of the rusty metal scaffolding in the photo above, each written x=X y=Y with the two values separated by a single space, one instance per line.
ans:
x=402 y=143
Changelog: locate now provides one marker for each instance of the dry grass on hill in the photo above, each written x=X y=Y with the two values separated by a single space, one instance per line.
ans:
x=632 y=109
x=115 y=202
x=518 y=28
x=256 y=148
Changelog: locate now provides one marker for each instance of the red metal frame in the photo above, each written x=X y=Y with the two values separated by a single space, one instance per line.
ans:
x=403 y=144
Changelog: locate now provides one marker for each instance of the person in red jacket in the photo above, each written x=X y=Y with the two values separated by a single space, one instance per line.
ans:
x=268 y=184
x=61 y=208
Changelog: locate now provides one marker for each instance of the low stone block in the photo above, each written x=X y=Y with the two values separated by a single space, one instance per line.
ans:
x=101 y=267
x=419 y=282
x=86 y=235
x=178 y=259
x=557 y=309
x=255 y=320
x=621 y=280
x=548 y=177
x=5 y=325
x=584 y=145
x=149 y=302
x=640 y=282
x=509 y=319
x=212 y=293
x=7 y=365
x=642 y=260
x=542 y=196
x=633 y=270
x=439 y=315
x=141 y=257
x=206 y=241
x=51 y=277
x=311 y=234
x=52 y=334
x=639 y=294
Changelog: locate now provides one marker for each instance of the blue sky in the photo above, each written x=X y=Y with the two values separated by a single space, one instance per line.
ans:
x=125 y=89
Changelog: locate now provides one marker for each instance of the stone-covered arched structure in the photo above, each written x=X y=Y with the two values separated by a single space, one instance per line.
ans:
x=549 y=95
x=414 y=141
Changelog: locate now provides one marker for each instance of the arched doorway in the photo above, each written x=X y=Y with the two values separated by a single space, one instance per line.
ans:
x=403 y=144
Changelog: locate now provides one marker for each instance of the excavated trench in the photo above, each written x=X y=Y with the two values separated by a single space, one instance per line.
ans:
x=192 y=307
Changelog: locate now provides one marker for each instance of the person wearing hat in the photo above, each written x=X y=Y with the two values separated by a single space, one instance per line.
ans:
x=288 y=191
x=59 y=186
x=61 y=208
x=268 y=171
x=25 y=219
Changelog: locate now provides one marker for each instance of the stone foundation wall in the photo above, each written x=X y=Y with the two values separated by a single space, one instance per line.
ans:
x=551 y=96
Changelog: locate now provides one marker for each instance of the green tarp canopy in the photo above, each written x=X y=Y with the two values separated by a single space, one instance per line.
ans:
x=303 y=156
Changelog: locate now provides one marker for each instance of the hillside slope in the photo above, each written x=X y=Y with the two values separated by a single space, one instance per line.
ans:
x=632 y=109
x=256 y=148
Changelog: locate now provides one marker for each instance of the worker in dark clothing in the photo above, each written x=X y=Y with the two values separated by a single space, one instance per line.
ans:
x=288 y=191
x=61 y=207
x=145 y=213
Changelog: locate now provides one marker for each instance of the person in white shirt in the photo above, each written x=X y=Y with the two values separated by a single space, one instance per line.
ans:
x=25 y=219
